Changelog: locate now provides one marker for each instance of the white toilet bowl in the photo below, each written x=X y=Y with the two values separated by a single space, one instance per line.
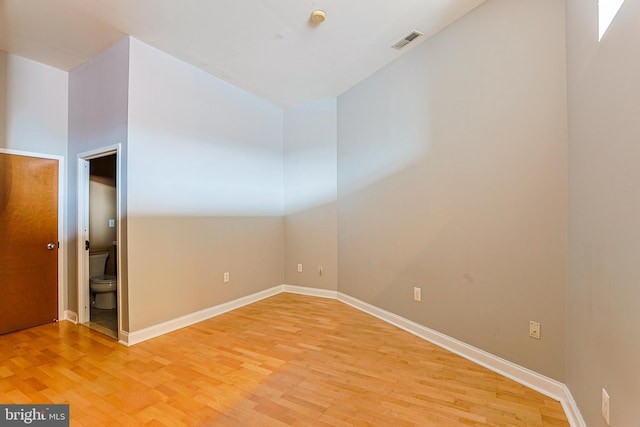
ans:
x=103 y=288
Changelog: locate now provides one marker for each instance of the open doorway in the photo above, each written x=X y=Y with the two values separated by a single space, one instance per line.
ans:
x=98 y=255
x=103 y=263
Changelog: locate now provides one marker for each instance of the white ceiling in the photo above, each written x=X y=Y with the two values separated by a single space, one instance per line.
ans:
x=267 y=47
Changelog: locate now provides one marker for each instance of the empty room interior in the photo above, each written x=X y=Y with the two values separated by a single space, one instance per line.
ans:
x=323 y=213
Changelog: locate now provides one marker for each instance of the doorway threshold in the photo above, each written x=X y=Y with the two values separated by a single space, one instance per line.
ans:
x=102 y=329
x=104 y=321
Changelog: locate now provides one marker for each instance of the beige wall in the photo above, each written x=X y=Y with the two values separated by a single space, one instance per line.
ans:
x=309 y=181
x=603 y=306
x=205 y=190
x=98 y=103
x=310 y=239
x=177 y=263
x=452 y=177
x=102 y=202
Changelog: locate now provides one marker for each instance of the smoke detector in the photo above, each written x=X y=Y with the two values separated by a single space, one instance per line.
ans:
x=407 y=39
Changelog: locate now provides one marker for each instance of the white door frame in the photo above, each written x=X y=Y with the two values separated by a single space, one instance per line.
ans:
x=83 y=228
x=62 y=294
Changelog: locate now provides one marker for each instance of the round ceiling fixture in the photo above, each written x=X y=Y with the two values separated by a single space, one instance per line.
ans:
x=318 y=16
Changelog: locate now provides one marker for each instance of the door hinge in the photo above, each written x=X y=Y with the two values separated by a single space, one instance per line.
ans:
x=87 y=245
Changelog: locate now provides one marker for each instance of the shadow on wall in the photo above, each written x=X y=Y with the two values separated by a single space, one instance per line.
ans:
x=180 y=261
x=310 y=239
x=483 y=253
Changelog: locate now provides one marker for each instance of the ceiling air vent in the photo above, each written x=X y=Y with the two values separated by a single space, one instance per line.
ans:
x=407 y=39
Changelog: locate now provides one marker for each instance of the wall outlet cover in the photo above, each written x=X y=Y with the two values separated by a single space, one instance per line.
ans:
x=534 y=330
x=417 y=294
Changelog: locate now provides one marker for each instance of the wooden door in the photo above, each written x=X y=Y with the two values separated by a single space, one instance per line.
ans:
x=28 y=242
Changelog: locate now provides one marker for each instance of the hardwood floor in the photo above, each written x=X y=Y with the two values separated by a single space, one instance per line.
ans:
x=286 y=360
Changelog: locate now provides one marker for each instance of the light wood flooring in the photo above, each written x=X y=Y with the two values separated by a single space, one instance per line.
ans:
x=287 y=360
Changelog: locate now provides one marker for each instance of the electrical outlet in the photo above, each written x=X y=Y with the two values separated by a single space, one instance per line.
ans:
x=226 y=277
x=534 y=330
x=320 y=270
x=605 y=405
x=299 y=268
x=417 y=294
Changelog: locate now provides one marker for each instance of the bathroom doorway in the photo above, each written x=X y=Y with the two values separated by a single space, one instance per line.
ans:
x=98 y=237
x=103 y=263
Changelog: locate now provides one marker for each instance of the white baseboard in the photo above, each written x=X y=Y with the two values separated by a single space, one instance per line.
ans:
x=545 y=385
x=123 y=337
x=571 y=409
x=312 y=292
x=153 y=331
x=71 y=316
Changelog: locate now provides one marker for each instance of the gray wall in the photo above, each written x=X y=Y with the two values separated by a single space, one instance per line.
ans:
x=310 y=191
x=33 y=106
x=452 y=176
x=603 y=298
x=98 y=105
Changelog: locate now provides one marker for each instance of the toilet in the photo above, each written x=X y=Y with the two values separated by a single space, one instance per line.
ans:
x=103 y=287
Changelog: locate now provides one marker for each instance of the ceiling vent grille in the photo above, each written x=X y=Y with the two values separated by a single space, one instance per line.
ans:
x=407 y=39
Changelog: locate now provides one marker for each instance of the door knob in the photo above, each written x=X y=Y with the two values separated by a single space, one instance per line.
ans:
x=51 y=246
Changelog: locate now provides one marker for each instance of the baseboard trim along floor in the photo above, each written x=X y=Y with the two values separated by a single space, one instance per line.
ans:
x=545 y=385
